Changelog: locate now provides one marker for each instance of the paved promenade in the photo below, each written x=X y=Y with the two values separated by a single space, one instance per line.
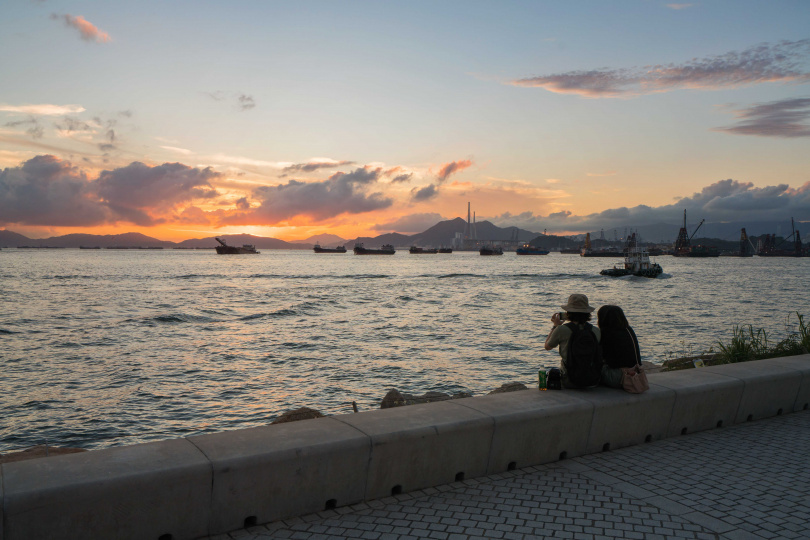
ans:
x=750 y=481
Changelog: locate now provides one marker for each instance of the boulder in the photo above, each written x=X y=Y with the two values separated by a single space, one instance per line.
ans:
x=509 y=387
x=304 y=413
x=395 y=398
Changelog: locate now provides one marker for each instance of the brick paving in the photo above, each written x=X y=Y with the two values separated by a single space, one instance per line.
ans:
x=746 y=482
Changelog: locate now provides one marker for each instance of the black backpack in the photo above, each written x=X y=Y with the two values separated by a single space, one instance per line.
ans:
x=583 y=364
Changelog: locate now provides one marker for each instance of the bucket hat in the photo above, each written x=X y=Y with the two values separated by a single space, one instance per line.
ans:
x=578 y=303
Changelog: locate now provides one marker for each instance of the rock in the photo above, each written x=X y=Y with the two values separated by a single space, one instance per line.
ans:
x=509 y=387
x=304 y=413
x=395 y=398
x=38 y=451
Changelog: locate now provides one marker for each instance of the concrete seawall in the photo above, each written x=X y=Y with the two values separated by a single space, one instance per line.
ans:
x=209 y=484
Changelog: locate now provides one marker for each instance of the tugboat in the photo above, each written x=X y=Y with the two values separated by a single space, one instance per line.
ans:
x=422 y=251
x=636 y=262
x=386 y=249
x=528 y=249
x=318 y=249
x=225 y=249
x=491 y=250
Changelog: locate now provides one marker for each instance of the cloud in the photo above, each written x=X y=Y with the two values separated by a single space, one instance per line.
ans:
x=341 y=193
x=413 y=223
x=454 y=166
x=87 y=30
x=140 y=192
x=782 y=62
x=398 y=175
x=725 y=200
x=48 y=191
x=424 y=194
x=34 y=129
x=315 y=164
x=43 y=109
x=679 y=6
x=246 y=102
x=183 y=151
x=785 y=118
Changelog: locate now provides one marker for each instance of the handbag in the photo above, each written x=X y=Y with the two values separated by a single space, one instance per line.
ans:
x=634 y=380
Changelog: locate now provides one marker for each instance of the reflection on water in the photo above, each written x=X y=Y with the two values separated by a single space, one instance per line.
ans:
x=105 y=348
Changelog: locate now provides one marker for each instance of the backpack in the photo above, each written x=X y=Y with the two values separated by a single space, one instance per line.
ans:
x=583 y=364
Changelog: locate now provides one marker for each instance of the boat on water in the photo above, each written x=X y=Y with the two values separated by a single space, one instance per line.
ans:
x=491 y=250
x=225 y=249
x=422 y=251
x=636 y=262
x=385 y=249
x=570 y=251
x=318 y=249
x=683 y=244
x=528 y=249
x=769 y=248
x=588 y=251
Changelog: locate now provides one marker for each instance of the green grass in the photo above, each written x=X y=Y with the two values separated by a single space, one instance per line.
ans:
x=749 y=344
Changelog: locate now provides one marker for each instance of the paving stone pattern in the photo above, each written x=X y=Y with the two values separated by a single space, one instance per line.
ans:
x=750 y=481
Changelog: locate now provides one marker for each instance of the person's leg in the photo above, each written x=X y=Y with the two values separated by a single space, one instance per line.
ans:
x=611 y=377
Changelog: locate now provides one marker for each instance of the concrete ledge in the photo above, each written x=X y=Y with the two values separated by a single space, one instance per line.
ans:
x=154 y=490
x=703 y=400
x=187 y=488
x=274 y=472
x=534 y=427
x=419 y=446
x=801 y=364
x=770 y=387
x=621 y=419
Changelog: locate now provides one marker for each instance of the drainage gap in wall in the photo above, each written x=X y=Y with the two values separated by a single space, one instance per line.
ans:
x=719 y=423
x=459 y=476
x=512 y=466
x=648 y=438
x=250 y=521
x=606 y=447
x=396 y=490
x=563 y=455
x=779 y=412
x=331 y=504
x=166 y=536
x=683 y=431
x=750 y=417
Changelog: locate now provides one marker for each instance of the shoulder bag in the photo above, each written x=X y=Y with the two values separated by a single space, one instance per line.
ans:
x=634 y=380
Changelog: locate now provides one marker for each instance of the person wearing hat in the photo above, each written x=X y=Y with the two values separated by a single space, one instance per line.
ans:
x=577 y=311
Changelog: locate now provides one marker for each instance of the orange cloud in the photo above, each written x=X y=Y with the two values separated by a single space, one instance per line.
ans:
x=87 y=30
x=453 y=167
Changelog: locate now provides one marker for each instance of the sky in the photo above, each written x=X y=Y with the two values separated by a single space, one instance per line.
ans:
x=187 y=119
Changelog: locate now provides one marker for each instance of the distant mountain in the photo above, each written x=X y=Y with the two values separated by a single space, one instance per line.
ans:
x=12 y=239
x=325 y=240
x=442 y=234
x=260 y=242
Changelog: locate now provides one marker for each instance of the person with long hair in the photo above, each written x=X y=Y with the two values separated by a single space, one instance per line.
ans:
x=619 y=344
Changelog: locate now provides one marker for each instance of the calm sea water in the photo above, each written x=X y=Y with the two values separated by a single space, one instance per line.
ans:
x=104 y=348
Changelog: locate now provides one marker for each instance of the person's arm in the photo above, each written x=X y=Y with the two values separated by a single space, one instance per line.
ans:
x=555 y=320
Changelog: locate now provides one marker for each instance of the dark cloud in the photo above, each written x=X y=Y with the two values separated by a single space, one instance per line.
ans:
x=782 y=62
x=33 y=127
x=454 y=166
x=87 y=30
x=139 y=190
x=786 y=118
x=413 y=223
x=314 y=166
x=105 y=147
x=246 y=102
x=342 y=193
x=726 y=200
x=242 y=204
x=424 y=194
x=398 y=175
x=48 y=191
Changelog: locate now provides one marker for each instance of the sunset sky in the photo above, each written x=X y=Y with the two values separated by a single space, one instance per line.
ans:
x=288 y=119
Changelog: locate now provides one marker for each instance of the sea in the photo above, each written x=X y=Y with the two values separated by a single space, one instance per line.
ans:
x=103 y=348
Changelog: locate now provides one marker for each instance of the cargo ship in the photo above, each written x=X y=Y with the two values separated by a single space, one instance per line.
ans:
x=422 y=251
x=491 y=250
x=528 y=249
x=225 y=249
x=318 y=249
x=386 y=249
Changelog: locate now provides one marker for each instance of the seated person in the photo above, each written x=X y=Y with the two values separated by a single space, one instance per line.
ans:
x=577 y=312
x=619 y=344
